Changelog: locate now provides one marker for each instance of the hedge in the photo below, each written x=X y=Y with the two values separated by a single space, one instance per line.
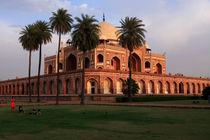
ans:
x=150 y=98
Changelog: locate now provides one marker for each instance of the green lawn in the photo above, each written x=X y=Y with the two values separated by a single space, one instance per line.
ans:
x=178 y=102
x=90 y=122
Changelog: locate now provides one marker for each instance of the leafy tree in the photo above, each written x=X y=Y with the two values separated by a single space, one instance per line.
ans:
x=134 y=87
x=61 y=23
x=131 y=36
x=206 y=93
x=43 y=32
x=28 y=41
x=86 y=37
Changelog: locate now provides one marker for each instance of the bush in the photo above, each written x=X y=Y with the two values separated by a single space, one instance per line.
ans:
x=151 y=98
x=134 y=87
x=206 y=93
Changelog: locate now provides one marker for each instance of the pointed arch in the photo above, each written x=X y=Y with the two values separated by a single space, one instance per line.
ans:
x=87 y=62
x=159 y=87
x=181 y=87
x=168 y=88
x=188 y=88
x=92 y=86
x=108 y=86
x=119 y=86
x=158 y=68
x=193 y=88
x=78 y=86
x=135 y=63
x=100 y=58
x=151 y=87
x=115 y=62
x=199 y=88
x=142 y=87
x=71 y=63
x=50 y=69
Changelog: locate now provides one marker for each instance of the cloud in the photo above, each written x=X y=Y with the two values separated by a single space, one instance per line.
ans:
x=42 y=6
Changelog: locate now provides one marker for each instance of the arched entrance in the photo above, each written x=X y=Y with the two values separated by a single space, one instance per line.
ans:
x=119 y=86
x=87 y=62
x=68 y=86
x=147 y=64
x=50 y=69
x=188 y=88
x=199 y=88
x=92 y=86
x=168 y=88
x=159 y=88
x=23 y=90
x=52 y=87
x=108 y=84
x=45 y=87
x=151 y=87
x=135 y=63
x=142 y=88
x=181 y=87
x=78 y=86
x=100 y=58
x=60 y=86
x=175 y=87
x=71 y=63
x=158 y=68
x=115 y=62
x=193 y=88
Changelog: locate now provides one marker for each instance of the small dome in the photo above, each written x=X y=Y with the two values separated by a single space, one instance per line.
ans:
x=108 y=31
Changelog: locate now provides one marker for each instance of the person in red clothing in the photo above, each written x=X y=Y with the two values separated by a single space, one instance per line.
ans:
x=12 y=104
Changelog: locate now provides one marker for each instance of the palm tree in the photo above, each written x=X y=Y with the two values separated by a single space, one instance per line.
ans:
x=131 y=36
x=43 y=32
x=86 y=37
x=28 y=41
x=61 y=23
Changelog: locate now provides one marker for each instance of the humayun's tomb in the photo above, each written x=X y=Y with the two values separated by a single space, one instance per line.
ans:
x=106 y=68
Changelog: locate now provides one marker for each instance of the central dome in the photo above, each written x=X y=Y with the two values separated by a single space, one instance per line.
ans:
x=108 y=31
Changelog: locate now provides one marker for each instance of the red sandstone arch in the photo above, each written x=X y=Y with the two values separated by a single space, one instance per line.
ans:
x=18 y=88
x=100 y=58
x=119 y=86
x=45 y=87
x=71 y=63
x=160 y=87
x=87 y=62
x=199 y=88
x=60 y=87
x=50 y=69
x=158 y=68
x=68 y=86
x=168 y=88
x=23 y=90
x=115 y=62
x=108 y=86
x=193 y=88
x=181 y=87
x=147 y=64
x=92 y=86
x=175 y=87
x=151 y=87
x=188 y=88
x=142 y=87
x=135 y=63
x=52 y=91
x=10 y=90
x=78 y=86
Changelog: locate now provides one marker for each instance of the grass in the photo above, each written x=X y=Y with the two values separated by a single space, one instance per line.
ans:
x=179 y=102
x=91 y=122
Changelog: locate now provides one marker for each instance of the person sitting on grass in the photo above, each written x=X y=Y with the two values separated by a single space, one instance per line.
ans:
x=34 y=112
x=21 y=109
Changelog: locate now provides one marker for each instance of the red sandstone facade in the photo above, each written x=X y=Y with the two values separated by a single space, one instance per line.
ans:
x=106 y=68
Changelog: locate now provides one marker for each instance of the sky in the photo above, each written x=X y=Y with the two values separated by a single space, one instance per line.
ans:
x=178 y=28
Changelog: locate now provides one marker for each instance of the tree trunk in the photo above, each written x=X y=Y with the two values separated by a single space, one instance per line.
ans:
x=58 y=74
x=29 y=76
x=83 y=80
x=130 y=77
x=39 y=68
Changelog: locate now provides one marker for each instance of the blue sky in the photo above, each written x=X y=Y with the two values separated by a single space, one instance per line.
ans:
x=179 y=28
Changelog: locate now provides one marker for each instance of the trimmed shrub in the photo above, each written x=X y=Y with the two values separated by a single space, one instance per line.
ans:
x=206 y=93
x=133 y=84
x=151 y=98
